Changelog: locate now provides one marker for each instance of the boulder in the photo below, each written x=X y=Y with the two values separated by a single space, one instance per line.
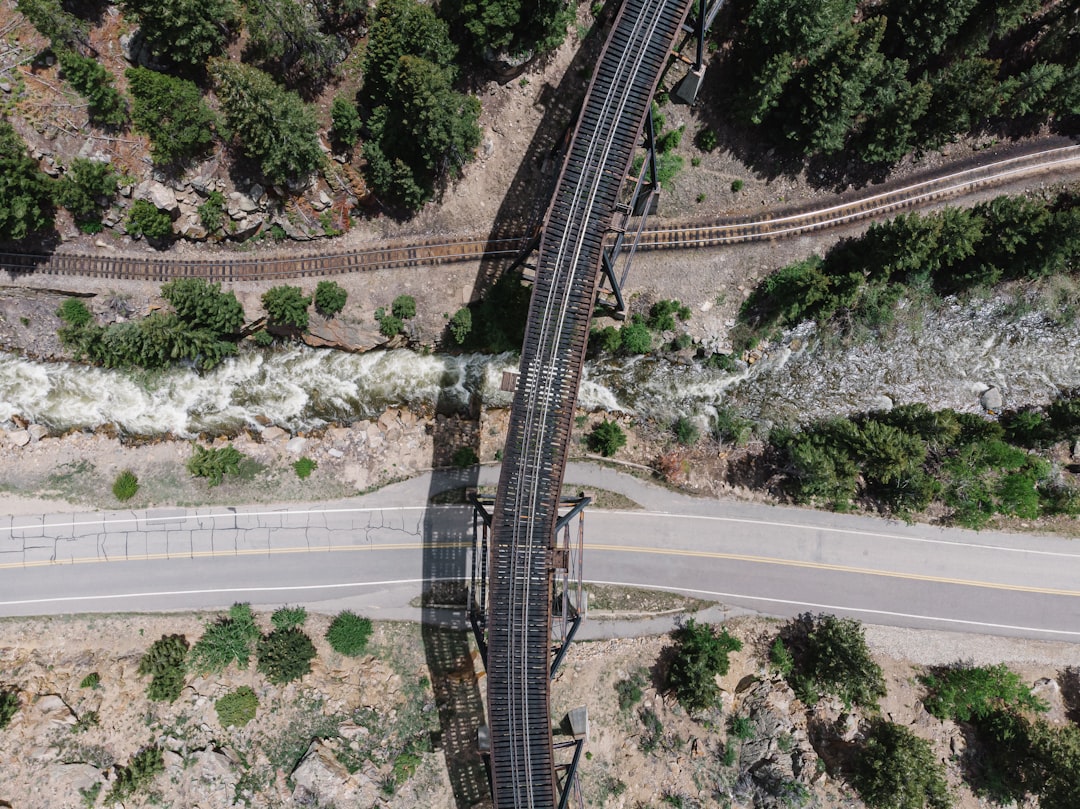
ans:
x=160 y=195
x=320 y=778
x=19 y=438
x=246 y=228
x=273 y=434
x=37 y=431
x=991 y=400
x=242 y=202
x=295 y=446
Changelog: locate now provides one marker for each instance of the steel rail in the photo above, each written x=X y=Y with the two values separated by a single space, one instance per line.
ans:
x=686 y=234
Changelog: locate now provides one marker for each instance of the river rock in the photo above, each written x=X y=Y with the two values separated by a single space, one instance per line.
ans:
x=19 y=438
x=991 y=400
x=273 y=434
x=66 y=781
x=37 y=431
x=296 y=446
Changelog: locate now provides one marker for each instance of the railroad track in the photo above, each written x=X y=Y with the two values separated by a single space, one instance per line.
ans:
x=436 y=251
x=556 y=335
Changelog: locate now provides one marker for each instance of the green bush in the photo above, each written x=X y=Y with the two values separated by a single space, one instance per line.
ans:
x=263 y=338
x=329 y=298
x=389 y=325
x=686 y=432
x=173 y=113
x=91 y=680
x=304 y=467
x=346 y=122
x=700 y=655
x=831 y=657
x=348 y=634
x=403 y=307
x=164 y=663
x=741 y=727
x=9 y=706
x=214 y=464
x=287 y=306
x=630 y=691
x=125 y=486
x=212 y=212
x=144 y=219
x=273 y=125
x=25 y=191
x=895 y=769
x=962 y=693
x=82 y=185
x=184 y=32
x=464 y=457
x=61 y=28
x=227 y=639
x=736 y=186
x=202 y=305
x=138 y=774
x=74 y=312
x=94 y=83
x=285 y=617
x=781 y=658
x=707 y=139
x=285 y=655
x=237 y=708
x=635 y=338
x=461 y=325
x=607 y=438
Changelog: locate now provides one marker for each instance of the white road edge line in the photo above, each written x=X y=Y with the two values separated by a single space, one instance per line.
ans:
x=839 y=608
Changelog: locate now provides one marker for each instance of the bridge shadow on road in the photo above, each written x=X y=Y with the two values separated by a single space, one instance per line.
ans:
x=446 y=631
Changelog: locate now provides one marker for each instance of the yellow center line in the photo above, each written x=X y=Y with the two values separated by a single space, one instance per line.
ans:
x=410 y=546
x=865 y=571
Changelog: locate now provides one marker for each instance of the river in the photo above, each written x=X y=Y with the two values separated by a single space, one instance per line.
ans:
x=945 y=359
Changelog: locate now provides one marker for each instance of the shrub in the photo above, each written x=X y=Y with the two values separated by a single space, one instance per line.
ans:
x=237 y=708
x=329 y=298
x=285 y=617
x=227 y=639
x=895 y=769
x=213 y=464
x=831 y=656
x=635 y=338
x=686 y=432
x=62 y=29
x=91 y=680
x=172 y=112
x=707 y=139
x=144 y=219
x=304 y=467
x=700 y=655
x=346 y=122
x=962 y=693
x=202 y=305
x=389 y=325
x=81 y=186
x=403 y=307
x=348 y=634
x=629 y=691
x=263 y=338
x=141 y=770
x=212 y=212
x=464 y=457
x=125 y=486
x=607 y=438
x=461 y=324
x=736 y=186
x=9 y=706
x=273 y=126
x=285 y=655
x=94 y=83
x=74 y=312
x=781 y=658
x=25 y=191
x=741 y=727
x=164 y=663
x=287 y=306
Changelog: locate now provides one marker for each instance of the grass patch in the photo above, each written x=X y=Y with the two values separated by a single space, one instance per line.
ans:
x=606 y=598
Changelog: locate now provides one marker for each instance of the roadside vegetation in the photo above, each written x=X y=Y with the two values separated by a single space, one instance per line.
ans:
x=881 y=81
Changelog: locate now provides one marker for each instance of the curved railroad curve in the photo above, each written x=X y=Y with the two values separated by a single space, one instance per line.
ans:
x=534 y=460
x=707 y=232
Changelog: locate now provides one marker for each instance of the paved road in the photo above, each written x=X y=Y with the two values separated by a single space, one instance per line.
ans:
x=369 y=553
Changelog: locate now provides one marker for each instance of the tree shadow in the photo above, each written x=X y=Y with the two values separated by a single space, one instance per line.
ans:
x=1069 y=680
